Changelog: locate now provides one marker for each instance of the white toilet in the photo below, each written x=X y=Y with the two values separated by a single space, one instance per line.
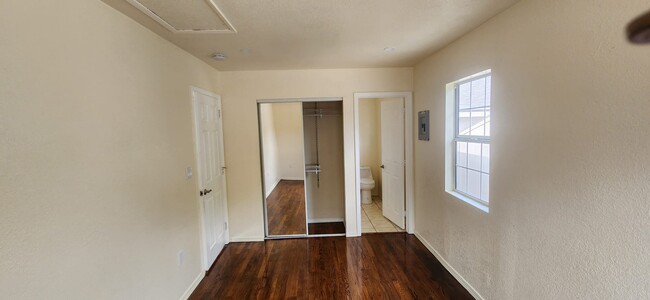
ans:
x=367 y=184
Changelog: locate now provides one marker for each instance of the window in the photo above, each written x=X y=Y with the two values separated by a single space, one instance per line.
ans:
x=470 y=145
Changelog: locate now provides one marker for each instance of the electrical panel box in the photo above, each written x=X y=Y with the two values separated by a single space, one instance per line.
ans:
x=423 y=125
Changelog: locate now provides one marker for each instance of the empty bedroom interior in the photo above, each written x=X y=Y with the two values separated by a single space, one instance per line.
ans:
x=531 y=182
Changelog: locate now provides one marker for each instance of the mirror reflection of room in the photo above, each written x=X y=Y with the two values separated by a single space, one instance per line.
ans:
x=379 y=142
x=282 y=147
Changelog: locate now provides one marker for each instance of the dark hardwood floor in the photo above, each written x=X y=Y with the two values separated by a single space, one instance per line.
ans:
x=286 y=208
x=326 y=228
x=374 y=266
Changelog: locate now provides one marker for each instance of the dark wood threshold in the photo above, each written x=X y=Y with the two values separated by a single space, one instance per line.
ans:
x=327 y=228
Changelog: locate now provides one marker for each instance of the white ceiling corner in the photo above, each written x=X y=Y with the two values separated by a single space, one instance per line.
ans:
x=312 y=34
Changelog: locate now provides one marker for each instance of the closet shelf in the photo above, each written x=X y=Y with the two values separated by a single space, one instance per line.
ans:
x=312 y=169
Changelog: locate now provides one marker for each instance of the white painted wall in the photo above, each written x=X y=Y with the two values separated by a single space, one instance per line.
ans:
x=288 y=131
x=282 y=141
x=570 y=162
x=241 y=89
x=270 y=145
x=370 y=139
x=95 y=136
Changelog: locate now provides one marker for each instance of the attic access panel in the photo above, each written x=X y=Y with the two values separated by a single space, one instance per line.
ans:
x=186 y=16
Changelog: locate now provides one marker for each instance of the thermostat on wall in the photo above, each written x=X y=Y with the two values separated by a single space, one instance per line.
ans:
x=423 y=125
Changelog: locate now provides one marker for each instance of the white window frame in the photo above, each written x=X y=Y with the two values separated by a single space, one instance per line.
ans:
x=453 y=136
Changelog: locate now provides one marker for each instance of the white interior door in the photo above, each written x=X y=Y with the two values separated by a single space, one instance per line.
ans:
x=392 y=159
x=211 y=172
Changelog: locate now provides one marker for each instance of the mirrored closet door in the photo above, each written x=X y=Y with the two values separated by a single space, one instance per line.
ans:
x=281 y=142
x=301 y=146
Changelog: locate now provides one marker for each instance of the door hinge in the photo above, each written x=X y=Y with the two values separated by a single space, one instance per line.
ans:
x=219 y=112
x=225 y=225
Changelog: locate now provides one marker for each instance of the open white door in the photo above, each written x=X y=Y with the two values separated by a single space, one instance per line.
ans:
x=392 y=159
x=211 y=172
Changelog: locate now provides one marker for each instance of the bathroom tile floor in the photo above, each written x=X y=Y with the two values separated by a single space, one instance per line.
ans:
x=372 y=219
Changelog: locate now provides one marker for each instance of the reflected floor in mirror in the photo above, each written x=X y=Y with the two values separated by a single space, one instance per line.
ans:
x=374 y=266
x=286 y=208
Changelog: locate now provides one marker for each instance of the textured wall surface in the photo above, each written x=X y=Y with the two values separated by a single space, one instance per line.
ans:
x=370 y=139
x=95 y=136
x=569 y=213
x=240 y=90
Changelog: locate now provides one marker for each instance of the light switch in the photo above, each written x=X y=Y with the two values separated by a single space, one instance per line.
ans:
x=188 y=172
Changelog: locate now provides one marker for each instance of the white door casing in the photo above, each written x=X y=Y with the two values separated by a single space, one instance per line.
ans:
x=353 y=205
x=392 y=159
x=211 y=173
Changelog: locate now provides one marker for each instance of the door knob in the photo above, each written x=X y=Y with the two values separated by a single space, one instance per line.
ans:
x=382 y=166
x=204 y=192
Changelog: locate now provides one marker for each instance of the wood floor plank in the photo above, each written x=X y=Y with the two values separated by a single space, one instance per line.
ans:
x=373 y=266
x=286 y=208
x=326 y=228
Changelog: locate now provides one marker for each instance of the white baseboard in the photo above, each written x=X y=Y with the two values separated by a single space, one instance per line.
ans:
x=352 y=234
x=193 y=286
x=244 y=239
x=270 y=190
x=449 y=268
x=326 y=220
x=293 y=178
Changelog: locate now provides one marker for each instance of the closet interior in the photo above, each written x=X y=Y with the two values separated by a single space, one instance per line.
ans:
x=301 y=146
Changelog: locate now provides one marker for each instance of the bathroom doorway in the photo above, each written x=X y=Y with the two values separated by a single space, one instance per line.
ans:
x=301 y=143
x=383 y=134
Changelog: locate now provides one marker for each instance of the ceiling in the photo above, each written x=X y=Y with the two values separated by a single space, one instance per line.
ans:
x=315 y=34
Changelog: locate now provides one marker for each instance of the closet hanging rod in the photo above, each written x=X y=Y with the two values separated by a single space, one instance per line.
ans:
x=312 y=168
x=321 y=111
x=321 y=115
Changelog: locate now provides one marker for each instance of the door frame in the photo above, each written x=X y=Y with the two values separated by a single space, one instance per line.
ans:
x=408 y=154
x=198 y=183
x=261 y=148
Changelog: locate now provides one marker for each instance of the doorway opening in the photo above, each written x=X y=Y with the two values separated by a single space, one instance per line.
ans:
x=384 y=161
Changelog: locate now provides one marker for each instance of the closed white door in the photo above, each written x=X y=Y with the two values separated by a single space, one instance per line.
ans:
x=211 y=172
x=392 y=159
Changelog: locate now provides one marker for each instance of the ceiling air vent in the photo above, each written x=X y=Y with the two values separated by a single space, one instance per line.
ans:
x=186 y=16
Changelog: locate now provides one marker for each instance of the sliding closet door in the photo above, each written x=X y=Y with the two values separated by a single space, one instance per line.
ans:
x=281 y=140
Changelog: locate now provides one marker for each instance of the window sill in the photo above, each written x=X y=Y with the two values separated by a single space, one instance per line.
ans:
x=470 y=201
